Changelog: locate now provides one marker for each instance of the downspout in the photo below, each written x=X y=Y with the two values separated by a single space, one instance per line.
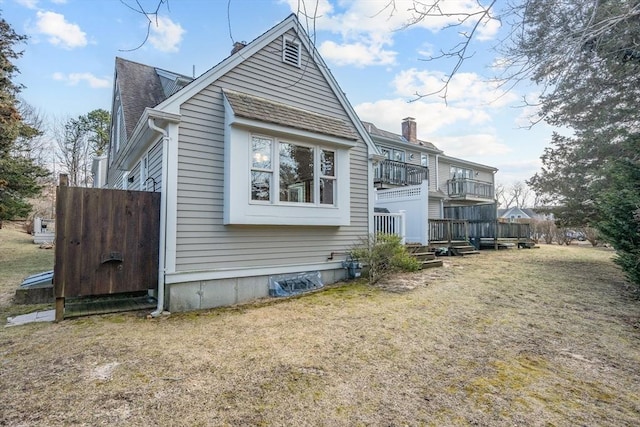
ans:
x=162 y=247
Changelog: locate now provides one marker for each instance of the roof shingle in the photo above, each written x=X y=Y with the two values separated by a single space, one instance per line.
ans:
x=264 y=110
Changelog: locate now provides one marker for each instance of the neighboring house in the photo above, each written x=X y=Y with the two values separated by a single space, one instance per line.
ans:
x=516 y=214
x=263 y=166
x=408 y=161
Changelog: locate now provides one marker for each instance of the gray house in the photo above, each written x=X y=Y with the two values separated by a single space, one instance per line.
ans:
x=263 y=167
x=408 y=161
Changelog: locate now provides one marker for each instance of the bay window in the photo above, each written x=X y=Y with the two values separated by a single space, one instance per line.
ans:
x=298 y=174
x=305 y=174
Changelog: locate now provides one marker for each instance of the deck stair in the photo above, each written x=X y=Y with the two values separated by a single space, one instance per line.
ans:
x=425 y=256
x=462 y=249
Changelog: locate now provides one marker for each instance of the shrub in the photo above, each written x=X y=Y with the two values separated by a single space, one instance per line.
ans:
x=383 y=254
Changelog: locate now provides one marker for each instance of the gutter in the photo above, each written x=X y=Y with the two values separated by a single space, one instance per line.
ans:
x=162 y=247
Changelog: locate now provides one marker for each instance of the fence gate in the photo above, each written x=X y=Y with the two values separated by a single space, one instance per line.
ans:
x=106 y=242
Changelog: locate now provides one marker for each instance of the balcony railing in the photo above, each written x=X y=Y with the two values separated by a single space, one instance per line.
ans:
x=400 y=173
x=469 y=188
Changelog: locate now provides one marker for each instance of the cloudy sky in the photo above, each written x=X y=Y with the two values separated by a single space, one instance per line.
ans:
x=68 y=62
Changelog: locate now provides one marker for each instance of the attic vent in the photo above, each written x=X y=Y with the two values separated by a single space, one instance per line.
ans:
x=290 y=52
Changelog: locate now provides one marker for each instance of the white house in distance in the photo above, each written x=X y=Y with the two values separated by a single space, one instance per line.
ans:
x=263 y=166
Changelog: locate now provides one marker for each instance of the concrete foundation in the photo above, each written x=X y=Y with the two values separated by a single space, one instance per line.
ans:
x=224 y=292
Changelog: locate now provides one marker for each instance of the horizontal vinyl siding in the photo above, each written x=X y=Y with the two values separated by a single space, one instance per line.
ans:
x=434 y=208
x=155 y=167
x=135 y=173
x=203 y=242
x=433 y=182
x=484 y=175
x=115 y=179
x=444 y=173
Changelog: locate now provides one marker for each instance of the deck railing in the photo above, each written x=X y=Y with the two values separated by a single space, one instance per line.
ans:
x=470 y=188
x=400 y=173
x=391 y=223
x=446 y=230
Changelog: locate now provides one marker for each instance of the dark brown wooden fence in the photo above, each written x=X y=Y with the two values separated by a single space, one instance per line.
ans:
x=106 y=242
x=481 y=212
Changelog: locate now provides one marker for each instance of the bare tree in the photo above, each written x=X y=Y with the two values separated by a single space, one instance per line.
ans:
x=517 y=194
x=73 y=148
x=33 y=146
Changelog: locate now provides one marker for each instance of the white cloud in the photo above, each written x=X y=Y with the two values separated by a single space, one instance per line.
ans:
x=514 y=171
x=358 y=54
x=165 y=35
x=431 y=117
x=29 y=4
x=464 y=88
x=362 y=24
x=61 y=33
x=74 y=79
x=473 y=146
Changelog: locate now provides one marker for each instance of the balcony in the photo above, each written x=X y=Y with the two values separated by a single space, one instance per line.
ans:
x=391 y=172
x=470 y=189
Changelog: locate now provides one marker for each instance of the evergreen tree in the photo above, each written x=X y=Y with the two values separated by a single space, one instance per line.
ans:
x=19 y=175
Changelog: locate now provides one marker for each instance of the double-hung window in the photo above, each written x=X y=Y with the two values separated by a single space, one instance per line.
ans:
x=261 y=168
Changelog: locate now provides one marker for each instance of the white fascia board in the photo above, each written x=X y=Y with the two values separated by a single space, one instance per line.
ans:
x=455 y=160
x=230 y=273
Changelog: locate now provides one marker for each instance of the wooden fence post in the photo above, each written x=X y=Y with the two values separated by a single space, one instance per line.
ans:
x=63 y=182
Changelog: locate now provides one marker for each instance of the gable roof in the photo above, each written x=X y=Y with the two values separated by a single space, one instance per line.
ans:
x=515 y=211
x=141 y=86
x=252 y=107
x=172 y=104
x=375 y=131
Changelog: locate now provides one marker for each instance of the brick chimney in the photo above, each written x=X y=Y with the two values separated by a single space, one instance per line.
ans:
x=410 y=130
x=238 y=46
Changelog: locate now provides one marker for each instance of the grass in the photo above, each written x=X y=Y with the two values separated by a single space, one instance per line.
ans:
x=19 y=258
x=521 y=337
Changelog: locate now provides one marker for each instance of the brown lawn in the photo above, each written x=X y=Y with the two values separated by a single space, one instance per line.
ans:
x=542 y=337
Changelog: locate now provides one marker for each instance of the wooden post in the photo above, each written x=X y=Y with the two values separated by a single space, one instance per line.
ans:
x=59 y=309
x=63 y=182
x=495 y=235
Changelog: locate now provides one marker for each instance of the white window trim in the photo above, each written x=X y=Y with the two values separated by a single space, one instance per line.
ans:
x=274 y=170
x=240 y=209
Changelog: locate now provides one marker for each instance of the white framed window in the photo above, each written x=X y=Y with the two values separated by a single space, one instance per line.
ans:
x=285 y=179
x=261 y=168
x=291 y=52
x=424 y=159
x=393 y=154
x=287 y=172
x=457 y=172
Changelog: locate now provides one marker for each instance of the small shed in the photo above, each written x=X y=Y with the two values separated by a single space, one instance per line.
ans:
x=44 y=230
